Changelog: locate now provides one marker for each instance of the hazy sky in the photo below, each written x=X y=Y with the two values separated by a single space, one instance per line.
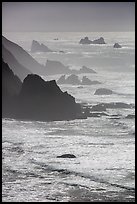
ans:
x=68 y=16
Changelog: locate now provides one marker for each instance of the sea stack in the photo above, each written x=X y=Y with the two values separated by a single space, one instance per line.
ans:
x=37 y=47
x=116 y=45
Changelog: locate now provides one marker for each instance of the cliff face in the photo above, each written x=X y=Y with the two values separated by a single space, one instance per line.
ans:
x=40 y=100
x=23 y=57
x=11 y=86
x=16 y=67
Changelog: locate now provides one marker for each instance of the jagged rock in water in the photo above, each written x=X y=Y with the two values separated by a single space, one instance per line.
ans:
x=116 y=45
x=56 y=67
x=103 y=91
x=86 y=81
x=67 y=156
x=85 y=41
x=85 y=69
x=73 y=79
x=97 y=41
x=37 y=47
x=61 y=80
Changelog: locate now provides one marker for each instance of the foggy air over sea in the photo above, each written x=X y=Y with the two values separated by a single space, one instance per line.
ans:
x=68 y=101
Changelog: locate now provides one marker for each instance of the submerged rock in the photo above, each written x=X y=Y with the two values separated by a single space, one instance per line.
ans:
x=98 y=107
x=130 y=116
x=103 y=91
x=67 y=156
x=116 y=45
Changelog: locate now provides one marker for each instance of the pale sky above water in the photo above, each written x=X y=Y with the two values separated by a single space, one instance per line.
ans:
x=68 y=16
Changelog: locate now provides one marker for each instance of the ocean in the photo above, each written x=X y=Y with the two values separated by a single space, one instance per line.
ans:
x=104 y=167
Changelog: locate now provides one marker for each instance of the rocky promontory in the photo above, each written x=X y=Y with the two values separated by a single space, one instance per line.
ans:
x=44 y=100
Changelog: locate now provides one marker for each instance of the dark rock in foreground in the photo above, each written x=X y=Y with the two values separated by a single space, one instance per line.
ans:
x=116 y=45
x=87 y=41
x=37 y=47
x=103 y=91
x=11 y=86
x=44 y=100
x=67 y=156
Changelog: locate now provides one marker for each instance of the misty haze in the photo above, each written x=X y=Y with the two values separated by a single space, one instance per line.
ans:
x=68 y=102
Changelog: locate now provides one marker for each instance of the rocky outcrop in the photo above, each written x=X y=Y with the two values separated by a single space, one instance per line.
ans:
x=44 y=100
x=86 y=81
x=85 y=69
x=61 y=80
x=116 y=45
x=16 y=67
x=99 y=41
x=37 y=47
x=56 y=67
x=87 y=41
x=103 y=91
x=74 y=80
x=67 y=156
